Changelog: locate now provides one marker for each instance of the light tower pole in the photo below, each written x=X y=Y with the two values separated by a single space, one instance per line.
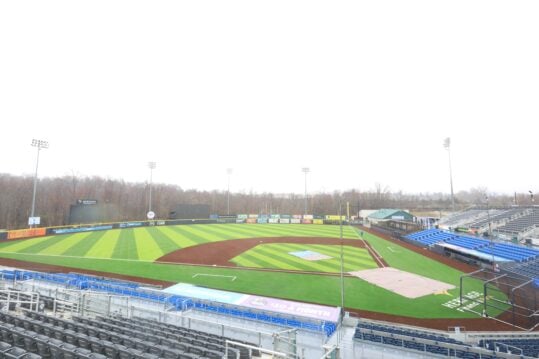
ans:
x=40 y=144
x=305 y=170
x=447 y=145
x=151 y=166
x=228 y=173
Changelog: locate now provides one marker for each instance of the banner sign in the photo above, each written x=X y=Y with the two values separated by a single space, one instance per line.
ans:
x=335 y=218
x=242 y=216
x=240 y=220
x=307 y=221
x=81 y=229
x=308 y=216
x=87 y=202
x=284 y=220
x=275 y=216
x=253 y=216
x=34 y=221
x=26 y=233
x=318 y=221
x=262 y=220
x=295 y=220
x=297 y=216
x=250 y=220
x=313 y=311
x=130 y=224
x=273 y=220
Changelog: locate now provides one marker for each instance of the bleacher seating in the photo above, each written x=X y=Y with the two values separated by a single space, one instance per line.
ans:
x=503 y=250
x=528 y=269
x=47 y=336
x=418 y=340
x=526 y=347
x=180 y=303
x=521 y=224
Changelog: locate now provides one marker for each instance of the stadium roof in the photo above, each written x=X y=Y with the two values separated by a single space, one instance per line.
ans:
x=387 y=213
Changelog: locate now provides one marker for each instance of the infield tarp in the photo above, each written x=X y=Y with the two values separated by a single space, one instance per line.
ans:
x=314 y=311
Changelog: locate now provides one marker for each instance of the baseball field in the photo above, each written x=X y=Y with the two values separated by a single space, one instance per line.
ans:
x=292 y=261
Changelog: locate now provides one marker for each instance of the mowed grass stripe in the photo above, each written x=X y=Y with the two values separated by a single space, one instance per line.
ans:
x=21 y=245
x=301 y=264
x=214 y=234
x=244 y=262
x=126 y=247
x=180 y=239
x=310 y=230
x=352 y=255
x=252 y=231
x=315 y=230
x=165 y=243
x=38 y=246
x=350 y=258
x=269 y=262
x=65 y=244
x=282 y=250
x=188 y=232
x=81 y=248
x=231 y=231
x=147 y=247
x=104 y=247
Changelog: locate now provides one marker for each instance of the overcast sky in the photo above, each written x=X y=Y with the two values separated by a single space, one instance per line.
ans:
x=362 y=92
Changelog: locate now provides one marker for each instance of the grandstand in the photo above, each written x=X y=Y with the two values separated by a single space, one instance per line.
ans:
x=521 y=226
x=111 y=313
x=442 y=344
x=463 y=218
x=473 y=246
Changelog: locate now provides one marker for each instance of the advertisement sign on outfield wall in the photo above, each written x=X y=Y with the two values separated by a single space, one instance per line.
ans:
x=295 y=220
x=307 y=221
x=81 y=229
x=284 y=220
x=26 y=233
x=297 y=216
x=240 y=220
x=308 y=216
x=273 y=220
x=318 y=221
x=253 y=216
x=250 y=220
x=242 y=216
x=262 y=220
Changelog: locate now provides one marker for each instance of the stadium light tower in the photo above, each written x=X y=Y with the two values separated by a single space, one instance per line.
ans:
x=447 y=146
x=228 y=173
x=305 y=170
x=151 y=166
x=40 y=144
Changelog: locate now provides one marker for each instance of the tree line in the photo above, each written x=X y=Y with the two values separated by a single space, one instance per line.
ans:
x=55 y=195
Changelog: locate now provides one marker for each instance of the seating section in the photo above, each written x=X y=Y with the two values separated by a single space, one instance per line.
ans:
x=511 y=251
x=521 y=224
x=526 y=347
x=430 y=236
x=50 y=337
x=503 y=250
x=418 y=340
x=465 y=217
x=498 y=216
x=85 y=282
x=528 y=269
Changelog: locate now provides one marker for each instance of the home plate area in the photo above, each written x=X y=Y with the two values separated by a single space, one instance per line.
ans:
x=310 y=255
x=407 y=284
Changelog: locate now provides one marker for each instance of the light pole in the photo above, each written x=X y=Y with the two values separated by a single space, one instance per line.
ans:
x=342 y=271
x=39 y=144
x=228 y=173
x=305 y=170
x=533 y=210
x=151 y=166
x=447 y=145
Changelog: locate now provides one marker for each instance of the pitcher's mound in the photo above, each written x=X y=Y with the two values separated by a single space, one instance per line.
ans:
x=407 y=284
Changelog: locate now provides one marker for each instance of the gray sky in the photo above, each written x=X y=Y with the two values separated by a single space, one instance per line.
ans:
x=362 y=92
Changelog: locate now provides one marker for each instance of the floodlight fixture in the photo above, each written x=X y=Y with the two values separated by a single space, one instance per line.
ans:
x=40 y=144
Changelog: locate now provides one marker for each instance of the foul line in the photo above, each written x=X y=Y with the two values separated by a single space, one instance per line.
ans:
x=215 y=275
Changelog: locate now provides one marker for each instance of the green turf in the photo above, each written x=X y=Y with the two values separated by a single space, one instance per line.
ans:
x=277 y=256
x=131 y=252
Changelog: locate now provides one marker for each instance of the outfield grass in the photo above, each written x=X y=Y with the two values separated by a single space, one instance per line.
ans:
x=278 y=256
x=150 y=243
x=132 y=251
